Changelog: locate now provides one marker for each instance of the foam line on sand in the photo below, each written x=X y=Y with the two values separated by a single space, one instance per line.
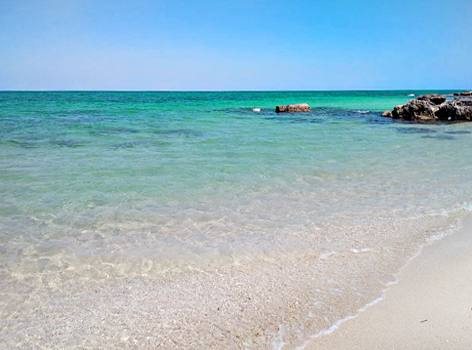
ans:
x=429 y=308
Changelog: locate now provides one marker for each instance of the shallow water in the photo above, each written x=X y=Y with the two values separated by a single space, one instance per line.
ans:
x=187 y=220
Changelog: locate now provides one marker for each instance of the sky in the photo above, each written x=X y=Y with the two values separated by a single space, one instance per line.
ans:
x=235 y=45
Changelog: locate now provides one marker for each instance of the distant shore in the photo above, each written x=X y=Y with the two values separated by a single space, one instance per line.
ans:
x=429 y=308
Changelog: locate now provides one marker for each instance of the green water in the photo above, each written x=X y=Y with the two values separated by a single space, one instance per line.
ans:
x=101 y=186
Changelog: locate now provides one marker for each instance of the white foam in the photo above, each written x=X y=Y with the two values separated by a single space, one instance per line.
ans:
x=327 y=255
x=363 y=250
x=337 y=323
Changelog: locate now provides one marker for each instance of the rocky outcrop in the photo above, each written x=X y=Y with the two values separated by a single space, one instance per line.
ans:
x=419 y=110
x=456 y=110
x=432 y=98
x=433 y=108
x=300 y=107
x=387 y=114
x=465 y=93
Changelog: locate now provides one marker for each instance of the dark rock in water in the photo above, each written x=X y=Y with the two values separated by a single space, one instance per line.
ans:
x=433 y=108
x=456 y=110
x=465 y=93
x=432 y=98
x=300 y=107
x=415 y=110
x=387 y=114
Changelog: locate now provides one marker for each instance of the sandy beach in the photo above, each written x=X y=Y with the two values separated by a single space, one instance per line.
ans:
x=235 y=175
x=429 y=308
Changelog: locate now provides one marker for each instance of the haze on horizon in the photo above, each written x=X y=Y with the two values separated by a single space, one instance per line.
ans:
x=227 y=45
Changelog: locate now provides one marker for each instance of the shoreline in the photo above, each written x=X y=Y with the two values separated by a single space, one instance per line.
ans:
x=428 y=307
x=189 y=221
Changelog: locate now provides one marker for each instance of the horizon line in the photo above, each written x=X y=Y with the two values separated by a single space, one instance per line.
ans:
x=242 y=90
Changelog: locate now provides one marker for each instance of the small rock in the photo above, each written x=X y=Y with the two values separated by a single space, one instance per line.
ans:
x=300 y=107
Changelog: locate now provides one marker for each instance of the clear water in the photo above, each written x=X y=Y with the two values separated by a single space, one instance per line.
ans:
x=187 y=220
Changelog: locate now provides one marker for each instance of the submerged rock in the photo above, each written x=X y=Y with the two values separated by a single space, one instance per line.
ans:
x=432 y=108
x=300 y=107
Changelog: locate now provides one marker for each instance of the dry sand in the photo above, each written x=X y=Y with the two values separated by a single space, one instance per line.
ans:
x=429 y=308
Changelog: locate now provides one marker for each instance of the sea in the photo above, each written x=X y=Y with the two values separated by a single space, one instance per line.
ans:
x=194 y=220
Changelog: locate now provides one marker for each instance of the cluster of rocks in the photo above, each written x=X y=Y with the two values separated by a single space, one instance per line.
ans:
x=433 y=108
x=465 y=93
x=428 y=108
x=300 y=107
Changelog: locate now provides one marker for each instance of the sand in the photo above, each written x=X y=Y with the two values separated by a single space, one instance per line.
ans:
x=429 y=308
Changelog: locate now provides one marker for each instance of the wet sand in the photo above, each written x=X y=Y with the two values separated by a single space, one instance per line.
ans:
x=429 y=308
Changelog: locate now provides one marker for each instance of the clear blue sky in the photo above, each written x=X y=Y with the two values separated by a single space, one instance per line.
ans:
x=235 y=45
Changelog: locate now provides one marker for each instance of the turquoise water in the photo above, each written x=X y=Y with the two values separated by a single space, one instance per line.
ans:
x=194 y=194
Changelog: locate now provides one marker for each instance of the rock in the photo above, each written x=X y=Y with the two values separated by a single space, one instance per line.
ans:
x=465 y=93
x=432 y=108
x=432 y=98
x=456 y=110
x=300 y=107
x=387 y=114
x=416 y=110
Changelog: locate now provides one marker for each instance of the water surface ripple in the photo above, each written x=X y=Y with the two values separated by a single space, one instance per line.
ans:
x=188 y=220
